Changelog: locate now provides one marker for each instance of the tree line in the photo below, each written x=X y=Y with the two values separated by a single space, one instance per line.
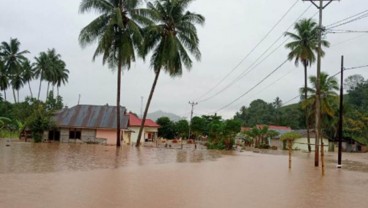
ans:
x=17 y=71
x=217 y=132
x=355 y=122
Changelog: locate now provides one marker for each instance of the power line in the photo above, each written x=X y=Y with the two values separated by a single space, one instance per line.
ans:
x=291 y=100
x=253 y=87
x=347 y=18
x=255 y=64
x=350 y=21
x=346 y=31
x=251 y=51
x=356 y=67
x=280 y=78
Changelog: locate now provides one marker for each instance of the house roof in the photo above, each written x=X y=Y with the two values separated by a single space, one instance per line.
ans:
x=91 y=116
x=276 y=128
x=312 y=133
x=134 y=121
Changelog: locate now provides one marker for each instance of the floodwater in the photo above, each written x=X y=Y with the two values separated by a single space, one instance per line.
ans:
x=81 y=175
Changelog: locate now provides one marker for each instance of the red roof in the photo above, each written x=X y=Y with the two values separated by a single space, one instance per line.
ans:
x=135 y=121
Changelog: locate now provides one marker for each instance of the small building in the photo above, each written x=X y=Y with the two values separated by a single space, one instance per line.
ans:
x=89 y=123
x=350 y=145
x=302 y=143
x=149 y=131
x=275 y=141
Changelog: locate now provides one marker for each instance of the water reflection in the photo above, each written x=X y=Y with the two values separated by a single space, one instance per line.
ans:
x=54 y=157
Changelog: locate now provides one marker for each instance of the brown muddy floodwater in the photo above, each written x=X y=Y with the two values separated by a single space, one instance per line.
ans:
x=81 y=175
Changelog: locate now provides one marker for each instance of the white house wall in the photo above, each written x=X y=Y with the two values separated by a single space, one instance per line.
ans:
x=302 y=144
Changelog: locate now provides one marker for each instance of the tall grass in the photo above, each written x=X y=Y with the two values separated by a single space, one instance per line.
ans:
x=6 y=134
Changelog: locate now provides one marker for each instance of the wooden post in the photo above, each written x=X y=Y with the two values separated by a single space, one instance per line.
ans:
x=290 y=149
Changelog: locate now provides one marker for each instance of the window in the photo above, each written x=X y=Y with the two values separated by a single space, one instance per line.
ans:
x=75 y=134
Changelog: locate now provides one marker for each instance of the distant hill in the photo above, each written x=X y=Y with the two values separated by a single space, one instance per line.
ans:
x=158 y=114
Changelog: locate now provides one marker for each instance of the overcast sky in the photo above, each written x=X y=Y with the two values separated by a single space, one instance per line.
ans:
x=232 y=29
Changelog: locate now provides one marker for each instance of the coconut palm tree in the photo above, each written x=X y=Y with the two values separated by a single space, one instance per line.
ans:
x=17 y=82
x=13 y=58
x=303 y=49
x=328 y=100
x=28 y=74
x=49 y=67
x=41 y=68
x=4 y=78
x=329 y=97
x=118 y=36
x=62 y=76
x=56 y=71
x=170 y=38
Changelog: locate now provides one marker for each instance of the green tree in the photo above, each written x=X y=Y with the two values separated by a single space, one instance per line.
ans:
x=28 y=74
x=277 y=104
x=182 y=128
x=199 y=126
x=303 y=47
x=353 y=81
x=13 y=58
x=358 y=97
x=259 y=112
x=41 y=69
x=118 y=36
x=166 y=129
x=260 y=134
x=329 y=87
x=290 y=138
x=4 y=78
x=232 y=127
x=56 y=72
x=170 y=38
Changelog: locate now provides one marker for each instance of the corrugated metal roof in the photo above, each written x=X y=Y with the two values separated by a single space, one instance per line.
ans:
x=91 y=116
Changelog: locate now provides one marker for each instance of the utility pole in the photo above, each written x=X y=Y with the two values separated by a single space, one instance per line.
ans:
x=190 y=120
x=79 y=97
x=320 y=7
x=341 y=113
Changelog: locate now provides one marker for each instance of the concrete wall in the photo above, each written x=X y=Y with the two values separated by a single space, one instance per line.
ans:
x=126 y=137
x=146 y=130
x=134 y=135
x=302 y=144
x=109 y=135
x=64 y=135
x=88 y=135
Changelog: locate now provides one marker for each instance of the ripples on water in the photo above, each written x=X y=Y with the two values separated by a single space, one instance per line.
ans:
x=51 y=157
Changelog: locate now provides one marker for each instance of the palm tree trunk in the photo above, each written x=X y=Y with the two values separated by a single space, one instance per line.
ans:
x=307 y=108
x=39 y=89
x=322 y=157
x=18 y=95
x=147 y=106
x=47 y=91
x=30 y=89
x=118 y=107
x=5 y=94
x=57 y=89
x=290 y=147
x=15 y=99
